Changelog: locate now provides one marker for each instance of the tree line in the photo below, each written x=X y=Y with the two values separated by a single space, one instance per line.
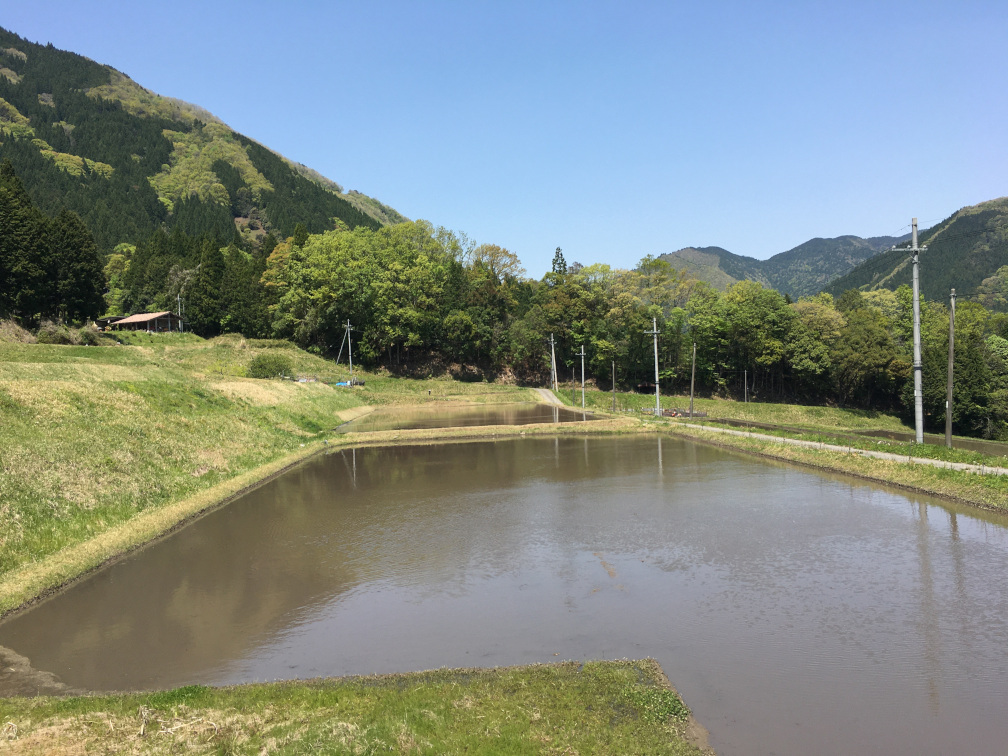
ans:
x=422 y=299
x=414 y=292
x=49 y=266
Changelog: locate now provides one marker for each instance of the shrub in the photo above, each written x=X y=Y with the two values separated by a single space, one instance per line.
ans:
x=55 y=333
x=87 y=336
x=269 y=366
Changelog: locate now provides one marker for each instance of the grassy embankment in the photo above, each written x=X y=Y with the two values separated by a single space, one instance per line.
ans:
x=829 y=425
x=600 y=707
x=104 y=448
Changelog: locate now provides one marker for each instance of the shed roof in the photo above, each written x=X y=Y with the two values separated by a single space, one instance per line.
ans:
x=144 y=317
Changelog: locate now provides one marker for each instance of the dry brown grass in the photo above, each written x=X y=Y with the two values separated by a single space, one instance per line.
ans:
x=252 y=390
x=11 y=331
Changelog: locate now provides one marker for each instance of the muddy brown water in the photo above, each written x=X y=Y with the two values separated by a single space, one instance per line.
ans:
x=434 y=416
x=796 y=612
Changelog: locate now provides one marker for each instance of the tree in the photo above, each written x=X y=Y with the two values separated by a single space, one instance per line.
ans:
x=559 y=264
x=500 y=262
x=203 y=308
x=27 y=267
x=81 y=280
x=866 y=365
x=993 y=291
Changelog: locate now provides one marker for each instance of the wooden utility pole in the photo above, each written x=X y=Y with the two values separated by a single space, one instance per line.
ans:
x=745 y=386
x=948 y=393
x=692 y=381
x=917 y=368
x=654 y=332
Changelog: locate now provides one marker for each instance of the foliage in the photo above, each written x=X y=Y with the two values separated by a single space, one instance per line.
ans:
x=48 y=267
x=270 y=365
x=189 y=172
x=656 y=705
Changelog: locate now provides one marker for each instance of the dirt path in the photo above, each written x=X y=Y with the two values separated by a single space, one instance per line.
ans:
x=962 y=466
x=548 y=397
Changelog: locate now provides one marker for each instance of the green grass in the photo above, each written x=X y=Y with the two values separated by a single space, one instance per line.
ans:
x=96 y=440
x=984 y=491
x=795 y=415
x=596 y=708
x=91 y=436
x=902 y=448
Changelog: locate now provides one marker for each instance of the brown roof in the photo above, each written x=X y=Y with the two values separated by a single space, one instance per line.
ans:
x=143 y=317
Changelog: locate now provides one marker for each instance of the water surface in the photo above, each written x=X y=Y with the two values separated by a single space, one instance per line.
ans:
x=454 y=416
x=796 y=613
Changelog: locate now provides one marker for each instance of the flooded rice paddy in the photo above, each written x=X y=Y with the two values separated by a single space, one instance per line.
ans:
x=797 y=613
x=434 y=416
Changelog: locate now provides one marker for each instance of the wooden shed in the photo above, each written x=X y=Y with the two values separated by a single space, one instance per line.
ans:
x=152 y=322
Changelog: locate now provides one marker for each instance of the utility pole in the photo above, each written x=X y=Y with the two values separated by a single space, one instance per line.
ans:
x=745 y=386
x=573 y=384
x=582 y=377
x=614 y=386
x=692 y=381
x=917 y=368
x=948 y=394
x=553 y=369
x=349 y=349
x=654 y=332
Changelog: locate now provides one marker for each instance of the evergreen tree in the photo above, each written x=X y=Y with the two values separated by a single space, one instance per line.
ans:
x=559 y=263
x=203 y=307
x=26 y=263
x=81 y=280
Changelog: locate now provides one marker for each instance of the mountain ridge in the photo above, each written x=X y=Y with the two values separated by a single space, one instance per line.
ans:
x=85 y=137
x=800 y=271
x=965 y=251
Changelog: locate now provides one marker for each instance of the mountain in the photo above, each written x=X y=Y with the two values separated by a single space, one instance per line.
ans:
x=87 y=138
x=807 y=268
x=798 y=272
x=962 y=251
x=718 y=267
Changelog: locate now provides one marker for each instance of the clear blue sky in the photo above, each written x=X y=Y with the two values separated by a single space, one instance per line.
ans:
x=610 y=129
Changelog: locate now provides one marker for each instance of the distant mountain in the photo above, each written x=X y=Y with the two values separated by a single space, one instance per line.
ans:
x=809 y=267
x=718 y=267
x=85 y=137
x=962 y=251
x=801 y=271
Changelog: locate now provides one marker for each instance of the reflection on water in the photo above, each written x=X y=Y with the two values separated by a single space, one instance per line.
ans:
x=796 y=613
x=453 y=416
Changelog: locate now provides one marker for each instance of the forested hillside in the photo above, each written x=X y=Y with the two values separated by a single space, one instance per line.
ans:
x=49 y=267
x=85 y=138
x=799 y=272
x=965 y=251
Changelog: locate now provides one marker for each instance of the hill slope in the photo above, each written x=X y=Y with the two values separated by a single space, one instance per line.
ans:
x=962 y=251
x=85 y=137
x=718 y=267
x=801 y=271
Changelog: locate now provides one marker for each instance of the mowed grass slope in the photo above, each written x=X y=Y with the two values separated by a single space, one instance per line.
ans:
x=595 y=708
x=94 y=438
